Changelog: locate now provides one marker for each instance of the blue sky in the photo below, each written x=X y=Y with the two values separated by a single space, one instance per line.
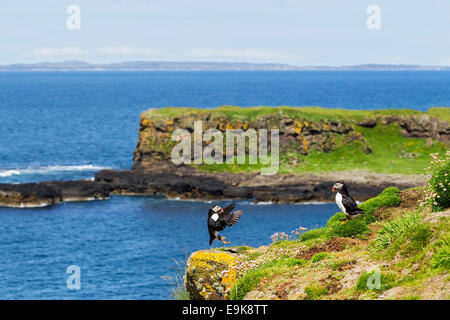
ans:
x=319 y=32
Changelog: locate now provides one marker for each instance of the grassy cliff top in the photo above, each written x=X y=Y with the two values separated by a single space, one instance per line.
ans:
x=314 y=139
x=306 y=113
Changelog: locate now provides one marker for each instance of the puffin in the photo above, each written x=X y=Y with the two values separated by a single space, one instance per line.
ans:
x=345 y=202
x=220 y=218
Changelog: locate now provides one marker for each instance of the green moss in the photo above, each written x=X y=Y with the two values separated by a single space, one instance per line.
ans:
x=337 y=218
x=351 y=228
x=389 y=197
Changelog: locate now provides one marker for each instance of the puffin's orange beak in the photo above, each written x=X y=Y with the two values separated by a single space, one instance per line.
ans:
x=332 y=189
x=221 y=210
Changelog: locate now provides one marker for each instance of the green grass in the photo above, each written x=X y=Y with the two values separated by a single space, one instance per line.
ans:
x=252 y=278
x=307 y=113
x=375 y=281
x=319 y=256
x=315 y=291
x=313 y=234
x=441 y=259
x=442 y=113
x=387 y=143
x=407 y=235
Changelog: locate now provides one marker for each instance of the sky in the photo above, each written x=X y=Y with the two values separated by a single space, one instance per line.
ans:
x=298 y=32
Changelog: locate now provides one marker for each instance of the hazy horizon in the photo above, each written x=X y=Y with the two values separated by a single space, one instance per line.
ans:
x=300 y=33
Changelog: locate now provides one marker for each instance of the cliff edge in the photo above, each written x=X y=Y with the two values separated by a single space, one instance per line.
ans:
x=398 y=251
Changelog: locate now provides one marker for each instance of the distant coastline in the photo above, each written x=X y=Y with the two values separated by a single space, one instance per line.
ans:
x=206 y=66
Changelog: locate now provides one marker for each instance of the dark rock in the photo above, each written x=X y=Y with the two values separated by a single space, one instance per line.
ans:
x=187 y=183
x=368 y=123
x=425 y=127
x=52 y=192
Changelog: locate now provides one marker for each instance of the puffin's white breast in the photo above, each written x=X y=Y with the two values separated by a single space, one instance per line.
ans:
x=339 y=202
x=215 y=217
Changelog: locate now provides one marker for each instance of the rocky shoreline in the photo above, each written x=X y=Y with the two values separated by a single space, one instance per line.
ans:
x=187 y=183
x=302 y=132
x=30 y=195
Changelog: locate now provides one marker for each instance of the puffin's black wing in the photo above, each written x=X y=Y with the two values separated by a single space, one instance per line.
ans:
x=350 y=205
x=232 y=218
x=229 y=208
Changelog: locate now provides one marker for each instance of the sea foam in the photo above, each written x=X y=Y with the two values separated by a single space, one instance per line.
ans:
x=49 y=170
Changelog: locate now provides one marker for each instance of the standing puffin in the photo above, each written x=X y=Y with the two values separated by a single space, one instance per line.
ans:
x=219 y=219
x=345 y=202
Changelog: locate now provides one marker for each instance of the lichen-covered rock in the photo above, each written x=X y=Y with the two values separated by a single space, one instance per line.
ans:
x=210 y=274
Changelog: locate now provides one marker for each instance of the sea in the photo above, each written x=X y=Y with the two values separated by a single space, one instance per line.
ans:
x=69 y=125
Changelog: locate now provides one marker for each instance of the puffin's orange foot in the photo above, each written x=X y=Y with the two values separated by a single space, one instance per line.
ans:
x=343 y=221
x=222 y=240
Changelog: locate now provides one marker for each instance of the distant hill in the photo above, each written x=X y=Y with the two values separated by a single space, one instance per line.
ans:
x=202 y=66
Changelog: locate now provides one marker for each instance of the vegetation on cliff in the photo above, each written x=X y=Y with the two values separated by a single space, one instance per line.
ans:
x=312 y=139
x=399 y=250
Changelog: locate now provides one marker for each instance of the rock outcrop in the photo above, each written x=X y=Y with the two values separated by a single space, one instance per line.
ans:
x=296 y=134
x=188 y=183
x=28 y=195
x=210 y=274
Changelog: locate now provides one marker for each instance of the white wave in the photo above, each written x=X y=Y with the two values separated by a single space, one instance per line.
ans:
x=49 y=170
x=314 y=202
x=189 y=200
x=261 y=203
x=268 y=203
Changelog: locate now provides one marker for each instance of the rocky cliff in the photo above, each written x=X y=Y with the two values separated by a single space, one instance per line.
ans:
x=301 y=132
x=317 y=147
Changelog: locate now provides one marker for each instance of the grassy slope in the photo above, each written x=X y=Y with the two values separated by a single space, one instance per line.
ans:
x=388 y=145
x=410 y=253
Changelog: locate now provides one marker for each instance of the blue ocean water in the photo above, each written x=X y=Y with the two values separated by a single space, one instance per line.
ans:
x=123 y=246
x=57 y=125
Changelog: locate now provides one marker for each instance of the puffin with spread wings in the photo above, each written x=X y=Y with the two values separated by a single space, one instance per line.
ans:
x=220 y=218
